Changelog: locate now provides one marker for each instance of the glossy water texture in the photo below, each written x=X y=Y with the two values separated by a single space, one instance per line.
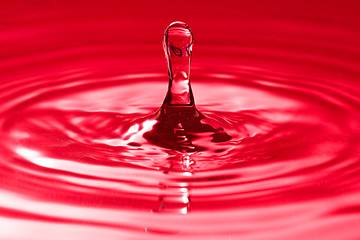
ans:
x=79 y=85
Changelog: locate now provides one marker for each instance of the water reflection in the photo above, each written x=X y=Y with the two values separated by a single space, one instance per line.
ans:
x=74 y=162
x=175 y=191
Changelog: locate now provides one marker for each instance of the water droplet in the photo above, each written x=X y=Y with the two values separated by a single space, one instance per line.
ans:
x=178 y=118
x=178 y=41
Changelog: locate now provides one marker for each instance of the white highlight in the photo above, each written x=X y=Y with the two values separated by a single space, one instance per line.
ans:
x=36 y=157
x=134 y=133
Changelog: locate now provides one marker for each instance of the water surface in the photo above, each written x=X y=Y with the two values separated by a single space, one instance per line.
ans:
x=76 y=79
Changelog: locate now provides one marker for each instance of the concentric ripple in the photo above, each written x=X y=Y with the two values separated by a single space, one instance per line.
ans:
x=75 y=165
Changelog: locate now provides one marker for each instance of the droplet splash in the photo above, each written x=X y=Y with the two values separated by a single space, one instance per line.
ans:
x=178 y=42
x=76 y=99
x=178 y=118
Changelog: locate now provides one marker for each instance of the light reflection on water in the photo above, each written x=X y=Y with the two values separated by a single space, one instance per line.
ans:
x=74 y=163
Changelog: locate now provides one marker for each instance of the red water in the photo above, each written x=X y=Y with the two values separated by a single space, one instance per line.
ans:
x=78 y=78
